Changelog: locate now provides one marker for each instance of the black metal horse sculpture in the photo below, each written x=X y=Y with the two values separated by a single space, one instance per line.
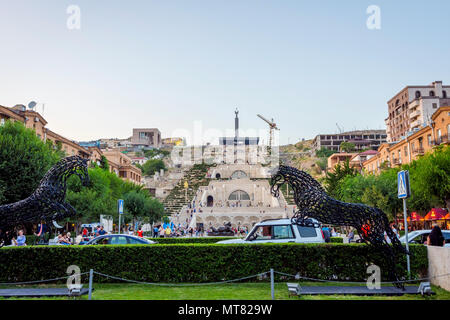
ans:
x=47 y=202
x=313 y=202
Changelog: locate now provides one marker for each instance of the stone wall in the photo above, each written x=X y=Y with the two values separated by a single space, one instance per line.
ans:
x=439 y=264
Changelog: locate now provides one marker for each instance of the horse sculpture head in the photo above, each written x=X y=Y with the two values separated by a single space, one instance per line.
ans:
x=299 y=180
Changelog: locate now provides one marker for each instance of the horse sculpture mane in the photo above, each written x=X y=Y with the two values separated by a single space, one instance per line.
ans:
x=47 y=202
x=313 y=202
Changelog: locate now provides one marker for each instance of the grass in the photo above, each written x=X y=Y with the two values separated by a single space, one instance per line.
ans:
x=232 y=291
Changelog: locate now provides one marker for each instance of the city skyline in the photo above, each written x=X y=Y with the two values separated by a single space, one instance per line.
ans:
x=169 y=65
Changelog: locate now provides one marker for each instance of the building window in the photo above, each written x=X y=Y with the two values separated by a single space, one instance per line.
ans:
x=238 y=174
x=434 y=105
x=406 y=151
x=239 y=195
x=417 y=94
x=431 y=93
x=444 y=94
x=429 y=140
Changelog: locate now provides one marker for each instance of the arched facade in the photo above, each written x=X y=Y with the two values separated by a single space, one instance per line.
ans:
x=239 y=195
x=238 y=174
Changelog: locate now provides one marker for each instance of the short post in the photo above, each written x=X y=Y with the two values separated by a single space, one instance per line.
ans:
x=272 y=284
x=406 y=237
x=91 y=276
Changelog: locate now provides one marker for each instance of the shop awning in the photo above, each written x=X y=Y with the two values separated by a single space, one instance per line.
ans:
x=447 y=217
x=436 y=214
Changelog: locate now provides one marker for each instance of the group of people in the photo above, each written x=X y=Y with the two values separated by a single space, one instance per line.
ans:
x=18 y=240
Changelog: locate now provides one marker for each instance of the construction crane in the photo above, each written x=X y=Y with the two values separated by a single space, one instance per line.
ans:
x=339 y=128
x=272 y=126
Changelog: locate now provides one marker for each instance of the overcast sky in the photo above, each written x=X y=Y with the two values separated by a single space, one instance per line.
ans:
x=171 y=64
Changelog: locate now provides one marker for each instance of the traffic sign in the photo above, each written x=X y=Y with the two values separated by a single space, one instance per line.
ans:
x=120 y=206
x=404 y=190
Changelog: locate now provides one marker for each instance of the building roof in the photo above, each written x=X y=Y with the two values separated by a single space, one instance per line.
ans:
x=368 y=153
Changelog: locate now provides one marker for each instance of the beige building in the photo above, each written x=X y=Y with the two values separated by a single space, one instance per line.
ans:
x=414 y=145
x=121 y=164
x=240 y=195
x=33 y=120
x=412 y=108
x=147 y=138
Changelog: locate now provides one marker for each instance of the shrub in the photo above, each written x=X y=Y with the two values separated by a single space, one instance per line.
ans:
x=337 y=240
x=201 y=262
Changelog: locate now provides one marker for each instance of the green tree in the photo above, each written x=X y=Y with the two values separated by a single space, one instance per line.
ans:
x=152 y=166
x=347 y=147
x=333 y=179
x=324 y=152
x=24 y=160
x=141 y=206
x=104 y=163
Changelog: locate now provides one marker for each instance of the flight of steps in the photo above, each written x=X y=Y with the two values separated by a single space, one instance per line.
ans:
x=289 y=198
x=196 y=177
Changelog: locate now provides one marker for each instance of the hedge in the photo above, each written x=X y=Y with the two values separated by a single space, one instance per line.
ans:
x=337 y=240
x=190 y=240
x=201 y=262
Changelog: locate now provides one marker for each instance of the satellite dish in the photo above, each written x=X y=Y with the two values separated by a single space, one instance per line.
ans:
x=32 y=104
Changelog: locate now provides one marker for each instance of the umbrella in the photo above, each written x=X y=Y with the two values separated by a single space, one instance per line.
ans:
x=447 y=217
x=435 y=214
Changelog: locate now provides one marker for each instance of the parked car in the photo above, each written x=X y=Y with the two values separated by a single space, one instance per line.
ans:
x=119 y=239
x=281 y=231
x=420 y=237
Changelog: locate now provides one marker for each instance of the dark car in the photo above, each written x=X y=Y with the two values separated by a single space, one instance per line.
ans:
x=119 y=239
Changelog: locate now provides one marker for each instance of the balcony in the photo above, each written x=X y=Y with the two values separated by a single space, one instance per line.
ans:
x=441 y=140
x=418 y=152
x=416 y=124
x=396 y=162
x=414 y=114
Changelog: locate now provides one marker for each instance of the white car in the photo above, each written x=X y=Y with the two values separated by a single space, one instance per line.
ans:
x=420 y=237
x=281 y=231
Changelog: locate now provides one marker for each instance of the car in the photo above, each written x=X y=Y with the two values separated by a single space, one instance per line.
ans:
x=420 y=237
x=282 y=231
x=119 y=239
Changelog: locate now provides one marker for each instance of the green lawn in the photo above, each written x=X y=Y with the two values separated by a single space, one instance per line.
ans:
x=237 y=291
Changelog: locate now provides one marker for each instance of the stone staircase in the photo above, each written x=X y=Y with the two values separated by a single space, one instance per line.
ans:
x=196 y=177
x=289 y=198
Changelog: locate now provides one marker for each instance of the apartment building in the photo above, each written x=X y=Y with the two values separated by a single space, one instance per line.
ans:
x=121 y=165
x=412 y=108
x=414 y=145
x=33 y=120
x=362 y=139
x=146 y=138
x=355 y=160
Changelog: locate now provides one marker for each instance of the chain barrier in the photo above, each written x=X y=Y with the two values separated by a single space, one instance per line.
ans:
x=41 y=281
x=180 y=284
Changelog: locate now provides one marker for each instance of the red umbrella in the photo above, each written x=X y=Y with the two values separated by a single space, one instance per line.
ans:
x=435 y=214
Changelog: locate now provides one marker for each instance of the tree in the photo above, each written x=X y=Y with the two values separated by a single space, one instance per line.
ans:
x=333 y=179
x=324 y=152
x=104 y=163
x=24 y=160
x=142 y=206
x=347 y=147
x=152 y=166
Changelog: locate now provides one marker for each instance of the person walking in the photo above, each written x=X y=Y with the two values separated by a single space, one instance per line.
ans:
x=161 y=231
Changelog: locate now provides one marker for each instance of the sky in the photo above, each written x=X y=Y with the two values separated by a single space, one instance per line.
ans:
x=184 y=66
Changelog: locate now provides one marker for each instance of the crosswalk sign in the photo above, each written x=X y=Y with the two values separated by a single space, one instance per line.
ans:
x=120 y=206
x=403 y=190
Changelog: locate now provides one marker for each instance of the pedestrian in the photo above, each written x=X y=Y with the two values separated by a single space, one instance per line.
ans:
x=155 y=232
x=168 y=231
x=21 y=239
x=161 y=231
x=351 y=236
x=436 y=238
x=140 y=233
x=326 y=234
x=101 y=231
